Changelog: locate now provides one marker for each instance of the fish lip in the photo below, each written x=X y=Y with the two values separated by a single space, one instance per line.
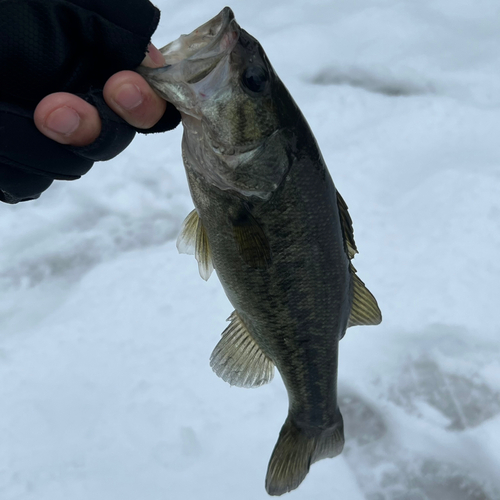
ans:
x=214 y=28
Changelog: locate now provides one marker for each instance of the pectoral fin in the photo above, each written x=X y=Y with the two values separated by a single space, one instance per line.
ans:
x=238 y=359
x=364 y=310
x=252 y=242
x=193 y=241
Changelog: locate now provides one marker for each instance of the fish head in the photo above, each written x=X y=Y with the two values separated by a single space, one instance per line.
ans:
x=229 y=96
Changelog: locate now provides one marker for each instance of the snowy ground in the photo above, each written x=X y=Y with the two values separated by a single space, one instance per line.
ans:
x=105 y=331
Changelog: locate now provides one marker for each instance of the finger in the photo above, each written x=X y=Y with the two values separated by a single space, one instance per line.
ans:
x=130 y=97
x=154 y=58
x=67 y=119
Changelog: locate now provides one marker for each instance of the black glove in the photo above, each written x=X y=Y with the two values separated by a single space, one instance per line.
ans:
x=71 y=46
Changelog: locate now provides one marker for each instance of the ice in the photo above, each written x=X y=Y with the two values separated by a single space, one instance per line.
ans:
x=106 y=331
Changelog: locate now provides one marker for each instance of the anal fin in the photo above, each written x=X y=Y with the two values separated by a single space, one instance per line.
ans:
x=193 y=241
x=238 y=359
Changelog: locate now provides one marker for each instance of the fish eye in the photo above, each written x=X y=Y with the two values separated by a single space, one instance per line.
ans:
x=255 y=78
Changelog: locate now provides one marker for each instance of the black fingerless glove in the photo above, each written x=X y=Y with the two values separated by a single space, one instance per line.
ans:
x=71 y=46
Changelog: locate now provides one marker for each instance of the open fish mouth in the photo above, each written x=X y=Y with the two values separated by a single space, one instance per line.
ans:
x=195 y=67
x=192 y=57
x=209 y=40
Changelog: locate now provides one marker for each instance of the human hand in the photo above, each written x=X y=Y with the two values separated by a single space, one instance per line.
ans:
x=68 y=119
x=78 y=49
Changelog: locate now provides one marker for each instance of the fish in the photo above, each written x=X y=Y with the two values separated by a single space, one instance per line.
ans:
x=269 y=220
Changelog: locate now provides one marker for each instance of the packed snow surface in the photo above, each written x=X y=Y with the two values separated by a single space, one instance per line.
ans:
x=105 y=331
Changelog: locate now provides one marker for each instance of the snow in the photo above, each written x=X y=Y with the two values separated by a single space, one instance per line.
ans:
x=106 y=331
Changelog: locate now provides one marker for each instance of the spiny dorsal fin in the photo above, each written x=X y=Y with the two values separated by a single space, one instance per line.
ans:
x=193 y=241
x=347 y=230
x=238 y=359
x=252 y=242
x=364 y=310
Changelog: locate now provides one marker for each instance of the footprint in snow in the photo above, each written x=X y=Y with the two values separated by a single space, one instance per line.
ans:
x=463 y=402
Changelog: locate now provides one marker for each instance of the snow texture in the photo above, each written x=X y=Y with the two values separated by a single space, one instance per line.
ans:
x=105 y=330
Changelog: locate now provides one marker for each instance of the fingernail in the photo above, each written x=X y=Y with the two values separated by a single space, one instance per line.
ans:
x=154 y=58
x=129 y=96
x=63 y=121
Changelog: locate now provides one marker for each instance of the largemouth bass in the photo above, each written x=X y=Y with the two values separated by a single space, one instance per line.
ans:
x=270 y=222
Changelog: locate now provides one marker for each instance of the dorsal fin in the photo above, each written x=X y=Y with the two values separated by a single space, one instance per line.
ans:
x=193 y=241
x=347 y=230
x=238 y=359
x=364 y=310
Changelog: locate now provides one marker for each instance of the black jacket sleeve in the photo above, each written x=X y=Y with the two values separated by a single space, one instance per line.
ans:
x=71 y=46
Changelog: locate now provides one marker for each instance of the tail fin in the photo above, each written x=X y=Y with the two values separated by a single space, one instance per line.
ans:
x=296 y=450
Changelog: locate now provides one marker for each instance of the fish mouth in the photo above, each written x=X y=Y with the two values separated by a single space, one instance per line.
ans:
x=191 y=58
x=209 y=40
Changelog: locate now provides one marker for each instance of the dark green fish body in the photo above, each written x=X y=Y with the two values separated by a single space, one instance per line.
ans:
x=269 y=220
x=298 y=306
